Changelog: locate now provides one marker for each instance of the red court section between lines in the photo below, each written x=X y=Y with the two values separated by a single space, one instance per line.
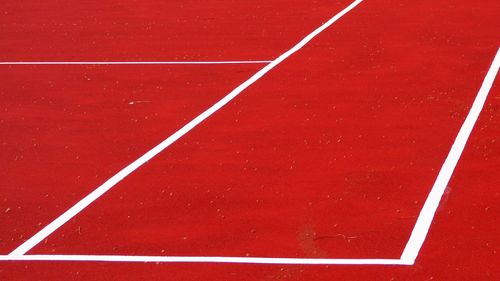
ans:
x=331 y=154
x=66 y=129
x=110 y=30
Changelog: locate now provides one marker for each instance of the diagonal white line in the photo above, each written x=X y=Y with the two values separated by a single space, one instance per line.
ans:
x=177 y=259
x=133 y=62
x=427 y=213
x=98 y=192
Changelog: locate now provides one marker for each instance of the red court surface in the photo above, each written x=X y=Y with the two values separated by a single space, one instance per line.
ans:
x=156 y=30
x=327 y=156
x=72 y=127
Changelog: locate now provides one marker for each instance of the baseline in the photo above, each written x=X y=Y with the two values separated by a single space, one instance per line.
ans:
x=174 y=259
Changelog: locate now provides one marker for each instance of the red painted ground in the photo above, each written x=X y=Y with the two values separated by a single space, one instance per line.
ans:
x=157 y=30
x=330 y=155
x=71 y=128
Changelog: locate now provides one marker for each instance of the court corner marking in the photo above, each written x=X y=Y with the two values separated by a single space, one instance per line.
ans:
x=428 y=211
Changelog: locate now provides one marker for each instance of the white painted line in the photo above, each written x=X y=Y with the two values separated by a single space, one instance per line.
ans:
x=174 y=259
x=94 y=195
x=427 y=213
x=131 y=62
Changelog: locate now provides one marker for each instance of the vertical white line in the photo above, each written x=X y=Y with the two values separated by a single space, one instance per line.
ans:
x=94 y=195
x=427 y=213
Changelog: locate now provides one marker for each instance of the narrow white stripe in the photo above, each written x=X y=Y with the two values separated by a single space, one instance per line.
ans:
x=187 y=259
x=86 y=201
x=427 y=213
x=130 y=62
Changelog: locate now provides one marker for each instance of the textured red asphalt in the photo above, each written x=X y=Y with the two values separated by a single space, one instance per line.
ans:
x=157 y=30
x=316 y=121
x=69 y=139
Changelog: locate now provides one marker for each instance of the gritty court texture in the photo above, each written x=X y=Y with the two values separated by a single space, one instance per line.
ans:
x=249 y=140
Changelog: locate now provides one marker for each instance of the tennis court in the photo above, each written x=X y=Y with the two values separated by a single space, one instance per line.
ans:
x=263 y=140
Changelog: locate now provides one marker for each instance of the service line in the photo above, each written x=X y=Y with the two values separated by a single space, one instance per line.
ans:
x=427 y=213
x=132 y=62
x=99 y=191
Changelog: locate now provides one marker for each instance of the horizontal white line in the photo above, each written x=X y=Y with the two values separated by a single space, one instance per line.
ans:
x=130 y=62
x=190 y=259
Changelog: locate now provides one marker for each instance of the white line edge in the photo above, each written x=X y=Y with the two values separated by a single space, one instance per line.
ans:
x=192 y=259
x=133 y=62
x=98 y=192
x=431 y=204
